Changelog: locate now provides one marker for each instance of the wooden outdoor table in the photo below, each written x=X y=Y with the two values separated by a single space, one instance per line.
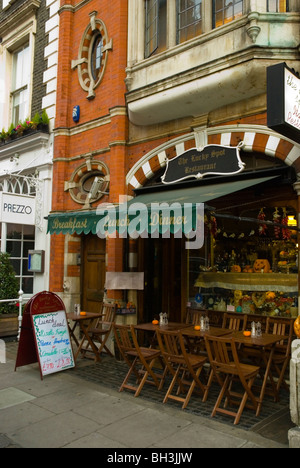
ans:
x=266 y=346
x=171 y=326
x=214 y=331
x=81 y=320
x=150 y=327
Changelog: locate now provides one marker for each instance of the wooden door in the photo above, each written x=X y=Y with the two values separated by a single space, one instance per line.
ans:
x=93 y=273
x=165 y=283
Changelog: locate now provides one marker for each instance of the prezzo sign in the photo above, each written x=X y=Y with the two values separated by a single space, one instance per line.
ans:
x=17 y=209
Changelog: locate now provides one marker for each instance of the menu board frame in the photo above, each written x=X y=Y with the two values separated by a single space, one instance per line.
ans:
x=39 y=341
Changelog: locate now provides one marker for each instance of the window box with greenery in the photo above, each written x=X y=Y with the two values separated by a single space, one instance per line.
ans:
x=36 y=124
x=9 y=287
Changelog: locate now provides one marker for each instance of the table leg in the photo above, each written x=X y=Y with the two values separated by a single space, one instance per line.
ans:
x=85 y=331
x=268 y=375
x=72 y=333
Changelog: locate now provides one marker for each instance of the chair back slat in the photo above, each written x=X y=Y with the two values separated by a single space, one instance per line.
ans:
x=234 y=321
x=281 y=326
x=193 y=317
x=123 y=338
x=168 y=342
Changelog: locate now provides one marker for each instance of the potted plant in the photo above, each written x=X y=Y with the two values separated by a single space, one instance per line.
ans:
x=9 y=287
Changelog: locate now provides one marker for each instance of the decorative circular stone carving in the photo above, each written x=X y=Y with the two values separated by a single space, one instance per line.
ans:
x=83 y=180
x=92 y=55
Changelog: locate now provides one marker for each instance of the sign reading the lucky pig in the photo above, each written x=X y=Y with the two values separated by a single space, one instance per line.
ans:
x=211 y=160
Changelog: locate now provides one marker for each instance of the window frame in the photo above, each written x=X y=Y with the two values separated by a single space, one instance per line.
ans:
x=189 y=25
x=226 y=21
x=20 y=88
x=156 y=20
x=278 y=7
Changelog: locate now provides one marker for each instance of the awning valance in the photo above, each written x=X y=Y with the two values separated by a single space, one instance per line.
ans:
x=77 y=222
x=148 y=208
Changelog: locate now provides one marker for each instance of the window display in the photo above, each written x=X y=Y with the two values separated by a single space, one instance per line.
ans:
x=249 y=263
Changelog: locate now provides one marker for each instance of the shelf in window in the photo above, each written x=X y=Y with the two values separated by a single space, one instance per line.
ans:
x=278 y=282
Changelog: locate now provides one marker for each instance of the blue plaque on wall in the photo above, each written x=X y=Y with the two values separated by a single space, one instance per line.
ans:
x=76 y=113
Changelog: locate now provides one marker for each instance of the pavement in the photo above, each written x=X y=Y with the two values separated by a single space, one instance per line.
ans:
x=65 y=410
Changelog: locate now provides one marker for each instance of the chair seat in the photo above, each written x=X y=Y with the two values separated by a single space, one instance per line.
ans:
x=247 y=370
x=99 y=331
x=147 y=353
x=195 y=360
x=140 y=360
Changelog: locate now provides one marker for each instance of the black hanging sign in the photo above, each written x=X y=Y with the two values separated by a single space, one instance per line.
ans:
x=210 y=160
x=283 y=101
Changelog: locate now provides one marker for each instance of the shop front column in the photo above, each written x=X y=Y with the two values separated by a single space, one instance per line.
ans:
x=297 y=189
x=294 y=433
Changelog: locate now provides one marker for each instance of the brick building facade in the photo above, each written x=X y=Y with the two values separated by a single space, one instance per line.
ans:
x=172 y=76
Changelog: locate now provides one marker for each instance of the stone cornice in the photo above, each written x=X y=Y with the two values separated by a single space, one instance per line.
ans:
x=18 y=16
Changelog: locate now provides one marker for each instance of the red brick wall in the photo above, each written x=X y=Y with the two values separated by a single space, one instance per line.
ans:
x=105 y=142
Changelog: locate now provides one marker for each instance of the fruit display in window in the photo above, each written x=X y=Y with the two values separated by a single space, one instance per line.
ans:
x=261 y=265
x=297 y=326
x=236 y=269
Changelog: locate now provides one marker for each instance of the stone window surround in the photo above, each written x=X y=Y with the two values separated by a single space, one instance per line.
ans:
x=12 y=38
x=136 y=23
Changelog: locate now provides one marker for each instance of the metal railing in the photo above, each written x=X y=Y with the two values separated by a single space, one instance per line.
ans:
x=17 y=301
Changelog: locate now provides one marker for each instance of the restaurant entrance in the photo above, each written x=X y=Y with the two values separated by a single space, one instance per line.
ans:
x=93 y=272
x=164 y=265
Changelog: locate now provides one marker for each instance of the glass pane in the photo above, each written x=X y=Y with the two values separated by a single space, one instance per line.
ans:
x=21 y=64
x=96 y=56
x=27 y=246
x=14 y=231
x=16 y=264
x=189 y=19
x=14 y=248
x=28 y=232
x=226 y=11
x=156 y=26
x=20 y=106
x=27 y=285
x=25 y=268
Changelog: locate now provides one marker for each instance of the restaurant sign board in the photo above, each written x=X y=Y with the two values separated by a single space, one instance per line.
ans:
x=17 y=209
x=210 y=160
x=283 y=101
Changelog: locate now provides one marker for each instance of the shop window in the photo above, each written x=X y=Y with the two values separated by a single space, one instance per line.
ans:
x=189 y=19
x=277 y=6
x=156 y=26
x=225 y=11
x=247 y=266
x=20 y=84
x=19 y=240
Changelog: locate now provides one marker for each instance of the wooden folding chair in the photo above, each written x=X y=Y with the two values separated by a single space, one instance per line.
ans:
x=224 y=360
x=139 y=359
x=194 y=344
x=234 y=321
x=102 y=329
x=282 y=353
x=193 y=317
x=180 y=364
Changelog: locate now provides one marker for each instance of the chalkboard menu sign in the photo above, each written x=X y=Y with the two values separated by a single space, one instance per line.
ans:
x=53 y=342
x=211 y=160
x=44 y=336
